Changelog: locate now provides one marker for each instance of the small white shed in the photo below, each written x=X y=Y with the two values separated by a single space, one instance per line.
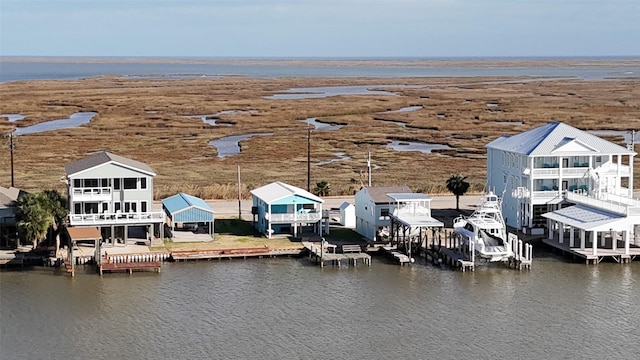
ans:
x=348 y=215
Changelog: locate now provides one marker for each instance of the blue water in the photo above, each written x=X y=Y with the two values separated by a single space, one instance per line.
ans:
x=15 y=70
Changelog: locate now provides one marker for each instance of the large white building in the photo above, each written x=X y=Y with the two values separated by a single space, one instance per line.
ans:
x=534 y=170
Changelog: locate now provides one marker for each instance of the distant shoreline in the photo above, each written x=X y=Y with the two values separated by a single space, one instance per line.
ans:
x=480 y=62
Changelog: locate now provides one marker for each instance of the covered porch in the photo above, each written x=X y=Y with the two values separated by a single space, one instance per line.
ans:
x=594 y=234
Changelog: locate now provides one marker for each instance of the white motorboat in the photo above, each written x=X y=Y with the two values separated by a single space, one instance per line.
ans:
x=486 y=229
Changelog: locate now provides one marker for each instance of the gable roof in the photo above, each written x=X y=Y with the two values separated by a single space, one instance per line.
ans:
x=10 y=196
x=346 y=205
x=184 y=201
x=379 y=193
x=556 y=136
x=279 y=190
x=103 y=157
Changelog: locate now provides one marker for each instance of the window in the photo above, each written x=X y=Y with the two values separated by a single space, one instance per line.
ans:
x=117 y=207
x=105 y=182
x=130 y=183
x=384 y=212
x=77 y=183
x=143 y=183
x=116 y=184
x=143 y=206
x=77 y=208
x=105 y=207
x=308 y=206
x=129 y=206
x=92 y=183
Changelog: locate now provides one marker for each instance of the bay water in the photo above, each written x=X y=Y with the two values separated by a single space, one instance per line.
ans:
x=288 y=308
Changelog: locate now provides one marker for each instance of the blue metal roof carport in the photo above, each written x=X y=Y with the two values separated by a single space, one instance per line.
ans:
x=184 y=208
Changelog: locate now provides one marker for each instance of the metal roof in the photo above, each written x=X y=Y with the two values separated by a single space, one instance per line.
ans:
x=408 y=196
x=183 y=202
x=416 y=221
x=279 y=190
x=379 y=193
x=10 y=196
x=103 y=157
x=556 y=137
x=586 y=218
x=84 y=233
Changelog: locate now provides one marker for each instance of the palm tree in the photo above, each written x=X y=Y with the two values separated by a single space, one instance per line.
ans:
x=33 y=218
x=57 y=205
x=322 y=188
x=39 y=212
x=458 y=186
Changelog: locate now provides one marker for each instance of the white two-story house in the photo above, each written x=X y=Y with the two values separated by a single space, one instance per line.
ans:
x=381 y=211
x=531 y=170
x=114 y=194
x=286 y=209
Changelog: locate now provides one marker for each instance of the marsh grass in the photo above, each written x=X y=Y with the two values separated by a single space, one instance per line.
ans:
x=177 y=147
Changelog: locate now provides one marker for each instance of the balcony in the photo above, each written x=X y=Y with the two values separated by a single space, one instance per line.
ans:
x=612 y=169
x=90 y=194
x=118 y=218
x=293 y=217
x=608 y=202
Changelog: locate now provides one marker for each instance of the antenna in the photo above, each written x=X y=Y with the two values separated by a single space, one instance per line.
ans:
x=308 y=157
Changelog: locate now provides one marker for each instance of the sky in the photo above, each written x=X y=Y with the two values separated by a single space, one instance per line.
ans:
x=320 y=28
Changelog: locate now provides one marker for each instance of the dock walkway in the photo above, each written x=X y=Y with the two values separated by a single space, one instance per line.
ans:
x=351 y=254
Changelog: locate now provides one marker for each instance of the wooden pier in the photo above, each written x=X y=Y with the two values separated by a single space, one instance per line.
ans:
x=587 y=254
x=132 y=262
x=241 y=253
x=458 y=256
x=396 y=255
x=351 y=254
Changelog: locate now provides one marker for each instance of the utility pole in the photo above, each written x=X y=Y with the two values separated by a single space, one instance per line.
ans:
x=11 y=152
x=308 y=157
x=369 y=167
x=239 y=196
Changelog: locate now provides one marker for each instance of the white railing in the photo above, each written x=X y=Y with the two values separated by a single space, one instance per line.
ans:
x=80 y=194
x=412 y=210
x=575 y=171
x=546 y=171
x=612 y=169
x=546 y=194
x=291 y=217
x=116 y=218
x=610 y=206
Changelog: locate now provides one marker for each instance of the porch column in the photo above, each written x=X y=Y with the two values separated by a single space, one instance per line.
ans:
x=295 y=219
x=551 y=225
x=614 y=240
x=603 y=235
x=561 y=232
x=625 y=238
x=582 y=238
x=594 y=242
x=572 y=236
x=269 y=223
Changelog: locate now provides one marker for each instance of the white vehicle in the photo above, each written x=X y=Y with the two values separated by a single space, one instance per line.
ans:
x=486 y=229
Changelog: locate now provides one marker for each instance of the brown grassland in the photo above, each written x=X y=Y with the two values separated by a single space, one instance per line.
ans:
x=145 y=119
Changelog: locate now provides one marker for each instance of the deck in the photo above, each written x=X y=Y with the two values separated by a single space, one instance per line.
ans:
x=130 y=267
x=351 y=254
x=606 y=252
x=242 y=253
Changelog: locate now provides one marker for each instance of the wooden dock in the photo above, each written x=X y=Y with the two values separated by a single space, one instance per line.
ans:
x=618 y=255
x=351 y=254
x=241 y=253
x=132 y=262
x=397 y=256
x=130 y=267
